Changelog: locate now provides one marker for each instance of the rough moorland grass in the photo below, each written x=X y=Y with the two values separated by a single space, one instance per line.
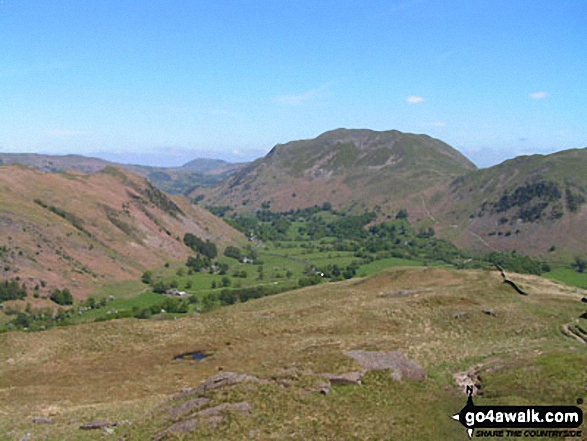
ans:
x=124 y=369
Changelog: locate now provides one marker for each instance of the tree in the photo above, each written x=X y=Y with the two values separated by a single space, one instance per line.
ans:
x=233 y=252
x=206 y=248
x=62 y=297
x=147 y=277
x=402 y=214
x=579 y=264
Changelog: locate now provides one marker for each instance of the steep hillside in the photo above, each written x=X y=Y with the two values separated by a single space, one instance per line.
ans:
x=174 y=180
x=529 y=203
x=383 y=358
x=77 y=231
x=348 y=168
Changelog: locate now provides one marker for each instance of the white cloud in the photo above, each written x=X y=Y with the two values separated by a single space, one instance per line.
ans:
x=540 y=95
x=299 y=99
x=439 y=124
x=415 y=99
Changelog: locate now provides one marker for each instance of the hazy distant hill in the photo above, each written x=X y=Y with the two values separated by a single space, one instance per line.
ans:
x=529 y=203
x=80 y=230
x=348 y=168
x=174 y=180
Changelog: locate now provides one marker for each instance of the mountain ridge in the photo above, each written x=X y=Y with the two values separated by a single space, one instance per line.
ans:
x=175 y=180
x=350 y=166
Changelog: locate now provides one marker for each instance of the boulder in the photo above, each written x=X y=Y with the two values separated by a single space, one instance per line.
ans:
x=400 y=366
x=95 y=425
x=344 y=379
x=187 y=406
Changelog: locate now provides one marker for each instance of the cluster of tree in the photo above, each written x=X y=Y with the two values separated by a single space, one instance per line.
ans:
x=198 y=263
x=350 y=226
x=236 y=295
x=62 y=297
x=233 y=252
x=532 y=200
x=37 y=319
x=573 y=200
x=170 y=304
x=205 y=248
x=236 y=253
x=333 y=272
x=161 y=200
x=543 y=190
x=518 y=263
x=12 y=290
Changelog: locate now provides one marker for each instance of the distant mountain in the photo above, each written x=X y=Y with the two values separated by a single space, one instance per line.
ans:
x=174 y=180
x=529 y=203
x=78 y=231
x=55 y=163
x=351 y=169
x=532 y=204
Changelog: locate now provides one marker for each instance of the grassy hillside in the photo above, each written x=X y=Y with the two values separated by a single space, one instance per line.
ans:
x=518 y=349
x=348 y=168
x=534 y=204
x=78 y=231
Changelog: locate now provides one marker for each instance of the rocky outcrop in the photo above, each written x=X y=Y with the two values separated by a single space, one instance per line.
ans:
x=400 y=366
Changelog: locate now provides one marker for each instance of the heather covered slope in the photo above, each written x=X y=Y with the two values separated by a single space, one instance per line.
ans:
x=529 y=203
x=348 y=168
x=79 y=231
x=456 y=325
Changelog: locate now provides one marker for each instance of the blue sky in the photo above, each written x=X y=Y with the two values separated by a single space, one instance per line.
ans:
x=165 y=81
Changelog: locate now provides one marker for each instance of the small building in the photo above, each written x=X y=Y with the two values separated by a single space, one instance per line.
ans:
x=175 y=293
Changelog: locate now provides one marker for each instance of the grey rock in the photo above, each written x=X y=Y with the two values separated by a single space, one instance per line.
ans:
x=187 y=406
x=95 y=425
x=243 y=408
x=398 y=363
x=178 y=428
x=344 y=379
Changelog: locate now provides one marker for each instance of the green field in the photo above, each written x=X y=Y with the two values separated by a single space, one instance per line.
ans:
x=568 y=276
x=379 y=265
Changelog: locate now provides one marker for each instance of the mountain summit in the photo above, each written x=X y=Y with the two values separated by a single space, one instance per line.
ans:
x=348 y=168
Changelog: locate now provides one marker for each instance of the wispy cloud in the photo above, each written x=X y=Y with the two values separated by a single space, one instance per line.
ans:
x=298 y=99
x=415 y=99
x=439 y=124
x=540 y=95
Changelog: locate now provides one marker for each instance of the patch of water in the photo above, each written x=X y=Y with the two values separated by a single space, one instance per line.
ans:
x=197 y=355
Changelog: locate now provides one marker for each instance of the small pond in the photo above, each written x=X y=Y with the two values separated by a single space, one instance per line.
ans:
x=196 y=355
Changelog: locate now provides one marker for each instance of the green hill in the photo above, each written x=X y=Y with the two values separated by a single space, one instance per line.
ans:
x=349 y=168
x=529 y=203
